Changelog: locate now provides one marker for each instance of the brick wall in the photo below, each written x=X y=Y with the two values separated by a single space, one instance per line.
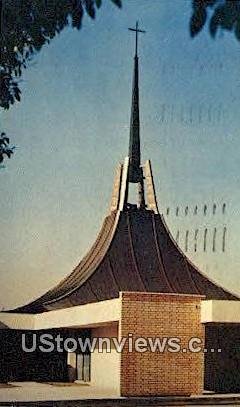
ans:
x=161 y=315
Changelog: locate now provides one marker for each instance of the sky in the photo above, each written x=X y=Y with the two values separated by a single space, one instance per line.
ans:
x=72 y=127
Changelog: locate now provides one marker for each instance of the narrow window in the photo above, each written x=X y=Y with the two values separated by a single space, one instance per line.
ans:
x=224 y=239
x=163 y=113
x=191 y=114
x=200 y=114
x=205 y=240
x=205 y=210
x=209 y=114
x=214 y=239
x=195 y=239
x=214 y=209
x=186 y=240
x=172 y=113
x=224 y=209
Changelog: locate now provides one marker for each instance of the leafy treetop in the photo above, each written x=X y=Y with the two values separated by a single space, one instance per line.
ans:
x=224 y=14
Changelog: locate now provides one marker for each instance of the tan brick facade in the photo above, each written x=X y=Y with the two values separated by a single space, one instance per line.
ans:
x=161 y=315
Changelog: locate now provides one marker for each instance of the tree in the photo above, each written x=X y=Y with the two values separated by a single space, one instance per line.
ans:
x=224 y=14
x=26 y=26
x=5 y=149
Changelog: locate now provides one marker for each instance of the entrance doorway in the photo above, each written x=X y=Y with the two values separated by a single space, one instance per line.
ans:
x=83 y=363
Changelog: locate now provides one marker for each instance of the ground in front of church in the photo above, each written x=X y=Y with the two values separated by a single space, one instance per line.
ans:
x=19 y=392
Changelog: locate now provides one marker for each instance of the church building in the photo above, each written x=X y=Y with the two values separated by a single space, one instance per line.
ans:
x=135 y=283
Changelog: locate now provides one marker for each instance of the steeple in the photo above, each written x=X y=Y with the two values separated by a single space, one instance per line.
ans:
x=135 y=173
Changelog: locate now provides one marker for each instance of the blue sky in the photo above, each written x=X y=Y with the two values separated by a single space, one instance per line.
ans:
x=72 y=127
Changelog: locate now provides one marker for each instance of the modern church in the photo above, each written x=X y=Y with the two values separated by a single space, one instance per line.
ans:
x=136 y=284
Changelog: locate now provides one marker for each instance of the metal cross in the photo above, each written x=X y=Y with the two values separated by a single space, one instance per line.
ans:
x=136 y=29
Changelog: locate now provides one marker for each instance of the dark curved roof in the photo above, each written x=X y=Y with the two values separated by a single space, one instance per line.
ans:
x=134 y=251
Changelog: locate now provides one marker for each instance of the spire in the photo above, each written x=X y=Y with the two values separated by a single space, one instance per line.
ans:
x=135 y=172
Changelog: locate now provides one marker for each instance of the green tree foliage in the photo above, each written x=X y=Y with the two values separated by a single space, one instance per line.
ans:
x=26 y=26
x=5 y=149
x=221 y=14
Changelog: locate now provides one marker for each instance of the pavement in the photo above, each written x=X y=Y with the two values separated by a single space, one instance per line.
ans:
x=33 y=394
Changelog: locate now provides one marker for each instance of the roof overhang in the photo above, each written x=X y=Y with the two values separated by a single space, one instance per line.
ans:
x=106 y=312
x=81 y=316
x=220 y=311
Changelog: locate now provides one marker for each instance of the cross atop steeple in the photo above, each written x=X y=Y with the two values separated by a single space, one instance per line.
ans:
x=136 y=30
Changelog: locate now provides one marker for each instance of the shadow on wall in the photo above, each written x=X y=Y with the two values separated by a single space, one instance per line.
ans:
x=222 y=370
x=17 y=365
